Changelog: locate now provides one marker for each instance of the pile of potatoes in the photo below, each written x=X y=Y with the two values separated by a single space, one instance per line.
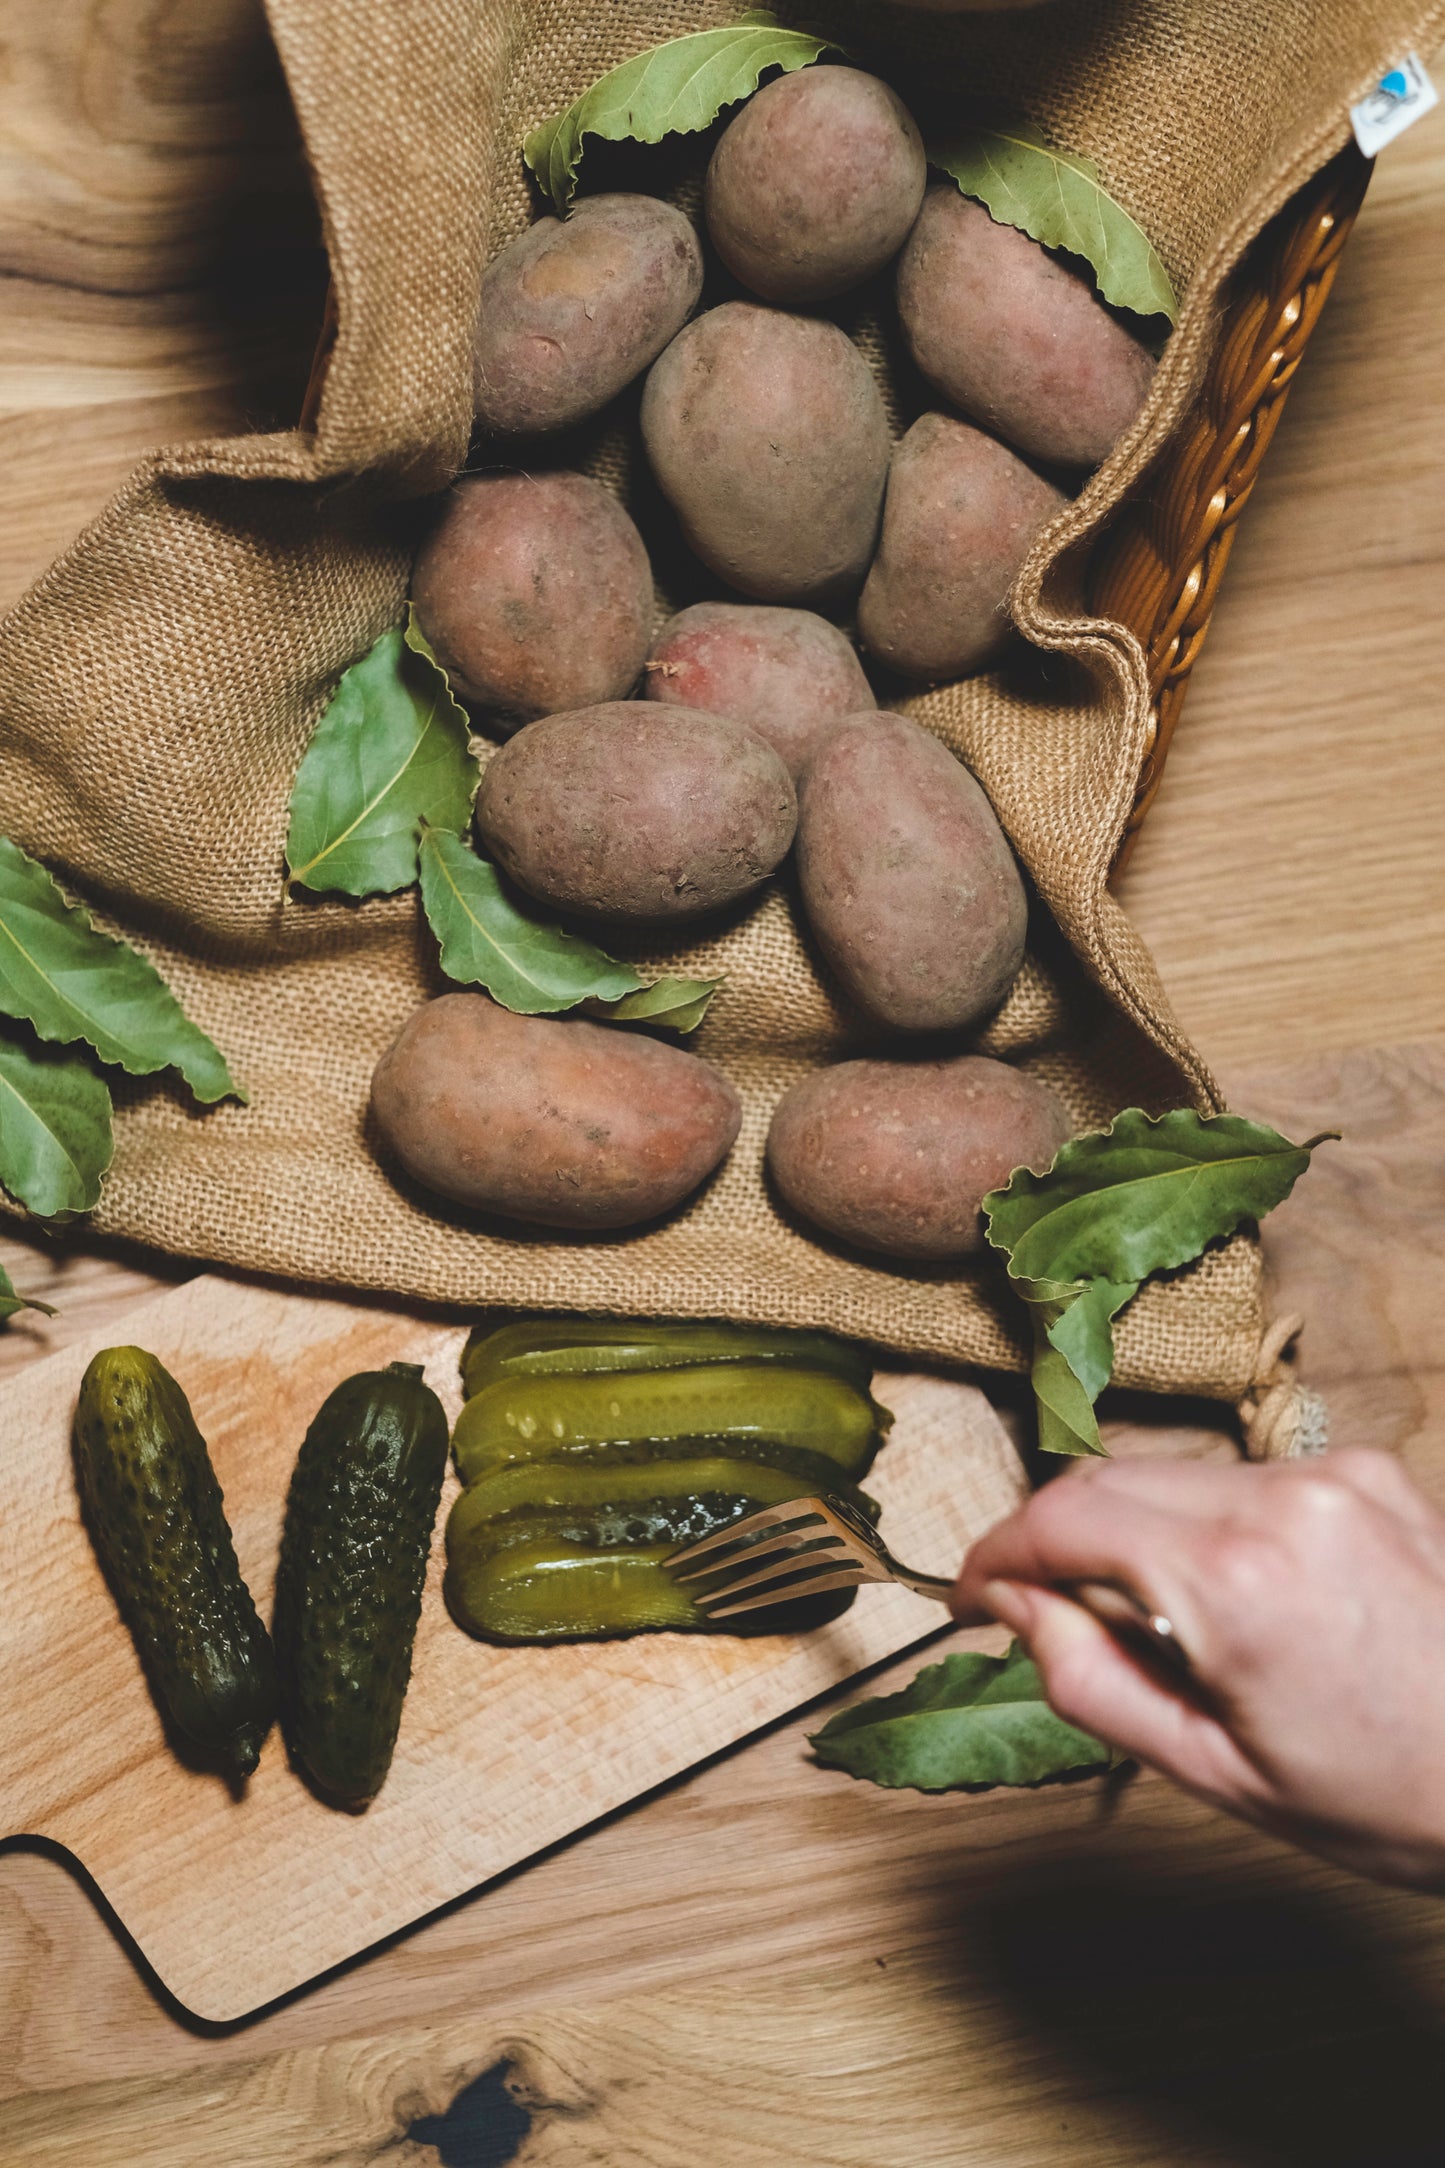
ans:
x=647 y=780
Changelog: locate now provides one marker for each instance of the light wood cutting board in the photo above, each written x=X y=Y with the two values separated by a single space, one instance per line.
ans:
x=502 y=1751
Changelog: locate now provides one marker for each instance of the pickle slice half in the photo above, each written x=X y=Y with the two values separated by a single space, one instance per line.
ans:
x=742 y=1406
x=553 y=1346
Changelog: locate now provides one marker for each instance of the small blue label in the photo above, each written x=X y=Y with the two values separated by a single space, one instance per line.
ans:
x=1398 y=100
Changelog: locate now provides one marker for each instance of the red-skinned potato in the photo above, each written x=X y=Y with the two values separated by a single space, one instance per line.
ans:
x=815 y=185
x=961 y=515
x=637 y=811
x=907 y=879
x=1014 y=337
x=769 y=440
x=574 y=309
x=787 y=674
x=561 y=1123
x=536 y=593
x=897 y=1156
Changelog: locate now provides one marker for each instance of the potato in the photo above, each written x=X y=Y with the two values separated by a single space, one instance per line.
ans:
x=536 y=593
x=567 y=1124
x=907 y=880
x=1014 y=337
x=961 y=515
x=769 y=440
x=787 y=674
x=815 y=185
x=897 y=1156
x=571 y=312
x=637 y=811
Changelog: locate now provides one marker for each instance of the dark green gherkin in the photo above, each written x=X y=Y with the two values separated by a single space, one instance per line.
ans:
x=158 y=1521
x=359 y=1521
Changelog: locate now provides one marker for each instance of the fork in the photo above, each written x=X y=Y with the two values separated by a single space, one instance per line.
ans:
x=814 y=1545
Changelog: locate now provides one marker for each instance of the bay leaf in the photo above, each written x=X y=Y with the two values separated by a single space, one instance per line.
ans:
x=491 y=938
x=1059 y=200
x=55 y=1126
x=391 y=751
x=1083 y=1330
x=968 y=1723
x=1073 y=1359
x=11 y=1302
x=674 y=1004
x=1144 y=1195
x=1067 y=1423
x=70 y=983
x=676 y=88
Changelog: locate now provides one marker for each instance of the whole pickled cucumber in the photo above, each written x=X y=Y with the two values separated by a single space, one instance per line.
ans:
x=158 y=1521
x=359 y=1521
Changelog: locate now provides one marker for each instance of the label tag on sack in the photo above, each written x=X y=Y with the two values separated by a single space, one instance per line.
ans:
x=1395 y=104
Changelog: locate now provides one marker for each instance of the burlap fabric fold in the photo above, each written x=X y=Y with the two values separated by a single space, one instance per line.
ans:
x=158 y=686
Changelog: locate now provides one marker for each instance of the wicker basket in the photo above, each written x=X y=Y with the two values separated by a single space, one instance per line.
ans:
x=1160 y=571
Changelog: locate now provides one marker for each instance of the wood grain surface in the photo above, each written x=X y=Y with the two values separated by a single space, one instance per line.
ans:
x=765 y=1964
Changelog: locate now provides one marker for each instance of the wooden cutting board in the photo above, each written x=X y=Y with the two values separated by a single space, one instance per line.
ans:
x=502 y=1752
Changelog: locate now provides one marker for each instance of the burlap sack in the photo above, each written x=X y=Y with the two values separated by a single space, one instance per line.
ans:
x=158 y=686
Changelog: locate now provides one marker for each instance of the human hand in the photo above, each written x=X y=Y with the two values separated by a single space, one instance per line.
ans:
x=1311 y=1598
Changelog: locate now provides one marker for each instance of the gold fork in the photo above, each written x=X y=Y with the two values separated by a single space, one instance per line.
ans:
x=814 y=1545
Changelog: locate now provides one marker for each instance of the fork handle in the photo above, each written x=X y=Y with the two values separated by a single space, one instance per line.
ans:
x=925 y=1584
x=1124 y=1613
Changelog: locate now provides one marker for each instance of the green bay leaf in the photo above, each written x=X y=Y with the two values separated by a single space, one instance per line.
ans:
x=1059 y=200
x=11 y=1302
x=968 y=1723
x=70 y=983
x=492 y=938
x=673 y=1004
x=1144 y=1195
x=55 y=1127
x=1067 y=1423
x=673 y=89
x=1083 y=1331
x=391 y=751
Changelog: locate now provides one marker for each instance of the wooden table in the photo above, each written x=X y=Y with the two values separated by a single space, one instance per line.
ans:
x=766 y=1965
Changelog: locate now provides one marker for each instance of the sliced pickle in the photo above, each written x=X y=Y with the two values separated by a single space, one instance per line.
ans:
x=738 y=1406
x=550 y=1551
x=554 y=1590
x=671 y=1502
x=553 y=1346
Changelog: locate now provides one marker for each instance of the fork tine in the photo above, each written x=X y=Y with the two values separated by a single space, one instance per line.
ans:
x=818 y=1585
x=723 y=1560
x=830 y=1558
x=795 y=1514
